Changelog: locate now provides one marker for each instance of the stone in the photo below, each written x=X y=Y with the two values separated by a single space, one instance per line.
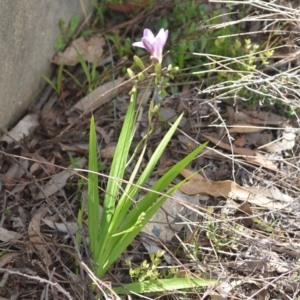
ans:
x=27 y=33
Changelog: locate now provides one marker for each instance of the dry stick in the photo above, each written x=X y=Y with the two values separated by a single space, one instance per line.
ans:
x=3 y=217
x=229 y=139
x=272 y=281
x=47 y=286
x=99 y=283
x=37 y=278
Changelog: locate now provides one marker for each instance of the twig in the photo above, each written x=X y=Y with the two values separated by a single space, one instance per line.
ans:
x=37 y=278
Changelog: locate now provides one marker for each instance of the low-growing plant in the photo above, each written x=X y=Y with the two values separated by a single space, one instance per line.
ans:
x=149 y=271
x=57 y=86
x=91 y=74
x=125 y=213
x=73 y=161
x=124 y=48
x=67 y=33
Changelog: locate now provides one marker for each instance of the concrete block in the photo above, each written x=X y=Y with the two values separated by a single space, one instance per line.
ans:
x=27 y=33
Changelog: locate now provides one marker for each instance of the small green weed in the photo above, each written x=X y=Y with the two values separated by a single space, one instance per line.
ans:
x=149 y=271
x=73 y=161
x=57 y=86
x=90 y=74
x=123 y=48
x=67 y=33
x=7 y=211
x=220 y=236
x=263 y=226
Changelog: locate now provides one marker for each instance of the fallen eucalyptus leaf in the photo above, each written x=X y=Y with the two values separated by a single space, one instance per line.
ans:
x=90 y=48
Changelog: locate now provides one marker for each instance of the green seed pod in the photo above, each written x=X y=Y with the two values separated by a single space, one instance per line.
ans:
x=141 y=76
x=139 y=62
x=130 y=73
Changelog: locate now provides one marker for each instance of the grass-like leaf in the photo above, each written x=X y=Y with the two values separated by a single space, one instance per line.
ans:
x=84 y=66
x=143 y=211
x=131 y=191
x=117 y=171
x=163 y=285
x=58 y=85
x=93 y=193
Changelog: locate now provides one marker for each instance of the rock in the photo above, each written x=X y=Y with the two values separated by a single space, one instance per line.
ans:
x=27 y=33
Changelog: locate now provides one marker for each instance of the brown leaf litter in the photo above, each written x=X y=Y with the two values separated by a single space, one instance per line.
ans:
x=90 y=48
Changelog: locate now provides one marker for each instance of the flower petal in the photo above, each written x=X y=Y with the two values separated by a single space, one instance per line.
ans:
x=158 y=49
x=139 y=44
x=166 y=36
x=163 y=35
x=148 y=45
x=158 y=44
x=148 y=34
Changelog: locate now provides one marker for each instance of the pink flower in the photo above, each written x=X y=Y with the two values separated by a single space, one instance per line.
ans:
x=153 y=44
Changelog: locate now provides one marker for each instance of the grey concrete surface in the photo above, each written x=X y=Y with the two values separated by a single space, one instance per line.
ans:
x=28 y=29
